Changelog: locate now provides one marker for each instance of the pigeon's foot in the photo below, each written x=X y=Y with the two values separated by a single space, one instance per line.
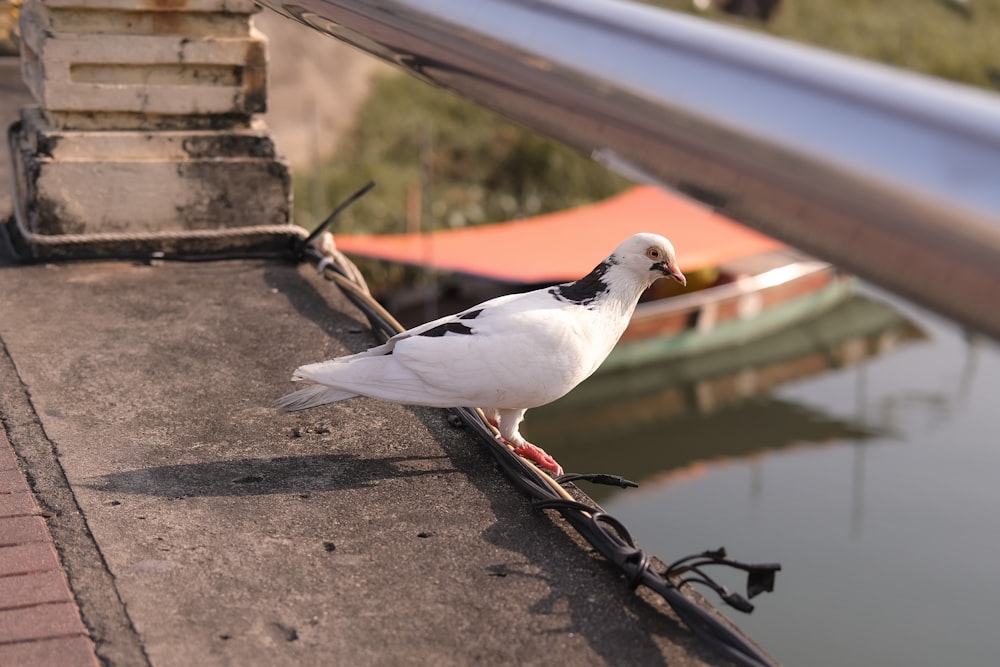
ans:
x=538 y=456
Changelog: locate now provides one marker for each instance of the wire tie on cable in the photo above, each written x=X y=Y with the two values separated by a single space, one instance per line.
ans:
x=323 y=263
x=635 y=566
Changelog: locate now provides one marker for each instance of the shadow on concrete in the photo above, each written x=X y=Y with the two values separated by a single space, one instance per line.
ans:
x=263 y=476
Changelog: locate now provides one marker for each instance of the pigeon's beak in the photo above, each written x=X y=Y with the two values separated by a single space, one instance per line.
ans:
x=671 y=271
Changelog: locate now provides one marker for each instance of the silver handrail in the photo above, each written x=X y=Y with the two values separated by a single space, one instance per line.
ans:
x=891 y=175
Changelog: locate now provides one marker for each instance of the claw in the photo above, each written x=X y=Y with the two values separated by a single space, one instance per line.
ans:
x=538 y=456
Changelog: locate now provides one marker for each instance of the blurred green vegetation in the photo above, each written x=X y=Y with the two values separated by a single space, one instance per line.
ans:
x=456 y=164
x=950 y=39
x=447 y=161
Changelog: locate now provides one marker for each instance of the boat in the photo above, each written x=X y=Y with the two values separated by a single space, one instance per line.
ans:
x=723 y=405
x=742 y=285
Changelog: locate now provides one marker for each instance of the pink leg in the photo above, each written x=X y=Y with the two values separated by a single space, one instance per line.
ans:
x=507 y=422
x=538 y=456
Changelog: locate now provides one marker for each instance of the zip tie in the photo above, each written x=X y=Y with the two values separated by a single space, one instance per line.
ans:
x=323 y=263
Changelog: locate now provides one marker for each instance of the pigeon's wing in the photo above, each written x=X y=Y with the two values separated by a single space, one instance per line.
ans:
x=516 y=351
x=442 y=324
x=517 y=354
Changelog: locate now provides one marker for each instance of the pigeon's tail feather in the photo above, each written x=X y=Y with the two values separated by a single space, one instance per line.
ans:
x=311 y=396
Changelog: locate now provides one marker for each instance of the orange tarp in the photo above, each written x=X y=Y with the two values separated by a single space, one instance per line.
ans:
x=566 y=245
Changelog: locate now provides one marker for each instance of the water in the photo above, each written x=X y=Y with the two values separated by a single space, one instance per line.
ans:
x=866 y=465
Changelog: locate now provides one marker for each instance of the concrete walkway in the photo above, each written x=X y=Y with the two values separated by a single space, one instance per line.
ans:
x=197 y=527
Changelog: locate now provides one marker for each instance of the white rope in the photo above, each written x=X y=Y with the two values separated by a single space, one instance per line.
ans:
x=159 y=235
x=333 y=257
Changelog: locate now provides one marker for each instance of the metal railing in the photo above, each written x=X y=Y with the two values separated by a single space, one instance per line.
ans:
x=891 y=175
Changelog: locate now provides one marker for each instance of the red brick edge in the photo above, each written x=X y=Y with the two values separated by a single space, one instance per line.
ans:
x=39 y=620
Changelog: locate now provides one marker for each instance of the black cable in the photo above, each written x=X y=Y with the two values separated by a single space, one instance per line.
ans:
x=337 y=211
x=598 y=478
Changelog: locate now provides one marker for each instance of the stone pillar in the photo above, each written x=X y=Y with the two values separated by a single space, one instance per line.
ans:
x=146 y=136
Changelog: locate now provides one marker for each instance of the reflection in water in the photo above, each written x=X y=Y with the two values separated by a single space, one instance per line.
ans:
x=648 y=451
x=935 y=405
x=665 y=420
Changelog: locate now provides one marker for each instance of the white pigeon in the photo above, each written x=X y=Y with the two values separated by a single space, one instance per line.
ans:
x=505 y=355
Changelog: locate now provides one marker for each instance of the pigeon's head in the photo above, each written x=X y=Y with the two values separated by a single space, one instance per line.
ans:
x=650 y=255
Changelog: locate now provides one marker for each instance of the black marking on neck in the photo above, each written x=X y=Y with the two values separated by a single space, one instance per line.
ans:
x=470 y=315
x=446 y=328
x=588 y=289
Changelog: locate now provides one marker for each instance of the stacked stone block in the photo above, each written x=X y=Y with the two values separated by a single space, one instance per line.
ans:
x=146 y=125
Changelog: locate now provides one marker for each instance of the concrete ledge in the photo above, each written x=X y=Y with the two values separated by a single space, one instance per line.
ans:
x=364 y=533
x=162 y=183
x=145 y=139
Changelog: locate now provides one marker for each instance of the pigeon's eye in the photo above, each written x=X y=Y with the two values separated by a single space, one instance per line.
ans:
x=654 y=253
